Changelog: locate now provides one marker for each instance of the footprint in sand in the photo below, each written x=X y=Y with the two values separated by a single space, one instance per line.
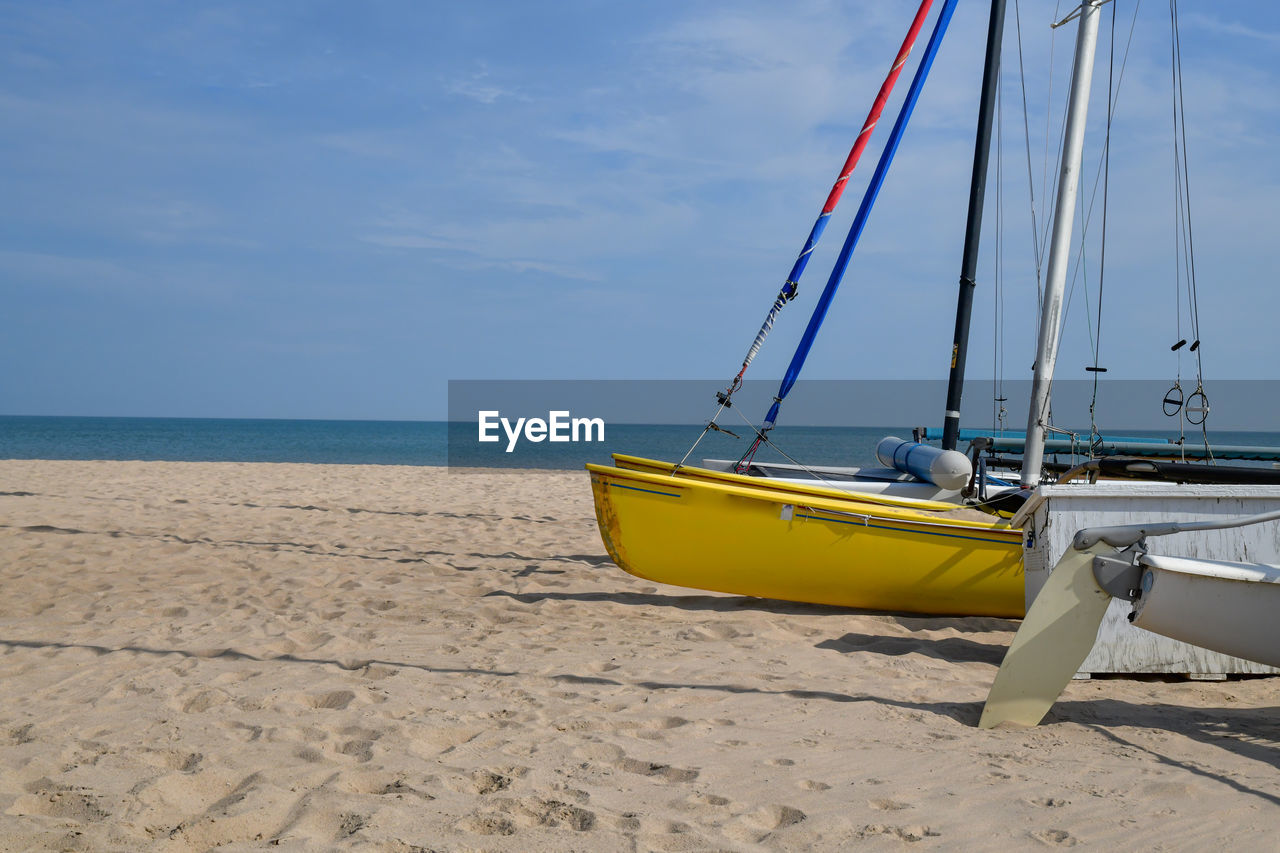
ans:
x=916 y=832
x=334 y=700
x=487 y=824
x=535 y=811
x=887 y=805
x=359 y=749
x=59 y=801
x=711 y=799
x=378 y=782
x=664 y=771
x=1055 y=837
x=626 y=822
x=612 y=755
x=755 y=826
x=508 y=815
x=776 y=817
x=172 y=759
x=1050 y=802
x=349 y=824
x=481 y=782
x=22 y=734
x=203 y=700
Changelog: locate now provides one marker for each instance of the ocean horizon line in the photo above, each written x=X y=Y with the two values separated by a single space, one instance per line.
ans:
x=672 y=424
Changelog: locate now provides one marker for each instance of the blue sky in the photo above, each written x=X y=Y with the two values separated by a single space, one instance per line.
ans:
x=329 y=210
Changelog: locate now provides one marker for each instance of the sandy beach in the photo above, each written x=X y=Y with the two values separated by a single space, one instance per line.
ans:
x=305 y=657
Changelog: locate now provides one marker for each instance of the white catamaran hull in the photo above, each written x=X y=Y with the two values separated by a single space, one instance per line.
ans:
x=1232 y=608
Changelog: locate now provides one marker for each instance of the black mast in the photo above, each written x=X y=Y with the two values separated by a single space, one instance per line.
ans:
x=973 y=231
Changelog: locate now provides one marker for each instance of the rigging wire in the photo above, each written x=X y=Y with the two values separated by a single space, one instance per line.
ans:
x=1102 y=260
x=998 y=411
x=1048 y=193
x=1186 y=187
x=1182 y=180
x=1179 y=232
x=1041 y=231
x=1026 y=130
x=1113 y=102
x=1051 y=178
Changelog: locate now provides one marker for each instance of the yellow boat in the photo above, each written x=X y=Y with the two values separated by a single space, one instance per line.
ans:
x=706 y=530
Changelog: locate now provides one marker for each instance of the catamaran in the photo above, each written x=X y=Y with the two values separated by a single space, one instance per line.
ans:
x=890 y=543
x=855 y=543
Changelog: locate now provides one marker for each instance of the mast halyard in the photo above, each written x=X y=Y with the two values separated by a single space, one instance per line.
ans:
x=1059 y=246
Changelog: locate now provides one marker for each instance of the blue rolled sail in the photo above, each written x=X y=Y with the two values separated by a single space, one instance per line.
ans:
x=860 y=220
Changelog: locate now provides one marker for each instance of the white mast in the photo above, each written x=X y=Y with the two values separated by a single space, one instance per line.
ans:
x=1059 y=246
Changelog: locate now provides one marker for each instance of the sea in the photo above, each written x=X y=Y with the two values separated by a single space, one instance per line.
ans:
x=357 y=442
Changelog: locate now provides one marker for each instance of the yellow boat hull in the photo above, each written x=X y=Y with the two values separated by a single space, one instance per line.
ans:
x=812 y=545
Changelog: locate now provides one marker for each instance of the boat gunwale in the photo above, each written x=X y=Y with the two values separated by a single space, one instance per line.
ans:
x=1223 y=570
x=726 y=478
x=836 y=504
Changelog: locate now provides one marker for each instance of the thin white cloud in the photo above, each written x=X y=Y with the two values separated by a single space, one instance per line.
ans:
x=378 y=145
x=1233 y=29
x=408 y=241
x=565 y=271
x=478 y=86
x=61 y=269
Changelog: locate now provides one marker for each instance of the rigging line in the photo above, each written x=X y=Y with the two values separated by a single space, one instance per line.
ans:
x=1102 y=260
x=997 y=302
x=995 y=278
x=1052 y=188
x=762 y=437
x=1049 y=181
x=1040 y=236
x=1026 y=131
x=1048 y=118
x=1180 y=234
x=1179 y=229
x=1104 y=174
x=710 y=426
x=1192 y=285
x=1082 y=267
x=1113 y=103
x=1184 y=246
x=1186 y=183
x=1177 y=252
